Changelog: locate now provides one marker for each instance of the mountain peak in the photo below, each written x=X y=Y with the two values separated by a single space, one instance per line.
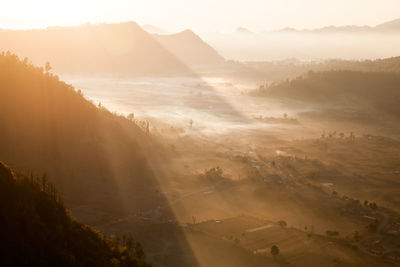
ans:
x=242 y=30
x=189 y=48
x=187 y=32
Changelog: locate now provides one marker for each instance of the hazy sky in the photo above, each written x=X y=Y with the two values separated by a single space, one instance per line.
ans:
x=199 y=15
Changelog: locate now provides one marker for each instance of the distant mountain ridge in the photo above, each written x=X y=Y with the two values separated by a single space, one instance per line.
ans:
x=189 y=48
x=345 y=42
x=102 y=49
x=243 y=30
x=123 y=48
x=390 y=26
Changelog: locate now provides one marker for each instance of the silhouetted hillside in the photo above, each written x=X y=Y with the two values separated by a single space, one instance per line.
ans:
x=291 y=68
x=391 y=64
x=190 y=48
x=93 y=155
x=393 y=25
x=371 y=90
x=94 y=49
x=36 y=230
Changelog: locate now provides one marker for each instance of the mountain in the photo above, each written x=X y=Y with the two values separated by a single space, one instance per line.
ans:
x=94 y=49
x=96 y=158
x=345 y=42
x=243 y=30
x=393 y=25
x=332 y=29
x=37 y=230
x=189 y=48
x=153 y=29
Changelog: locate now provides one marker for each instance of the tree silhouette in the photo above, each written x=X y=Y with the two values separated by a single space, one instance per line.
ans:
x=47 y=67
x=131 y=116
x=282 y=223
x=274 y=250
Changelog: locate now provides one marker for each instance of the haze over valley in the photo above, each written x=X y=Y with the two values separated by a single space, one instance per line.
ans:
x=137 y=144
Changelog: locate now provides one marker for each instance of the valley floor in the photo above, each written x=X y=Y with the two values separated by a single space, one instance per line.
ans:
x=237 y=167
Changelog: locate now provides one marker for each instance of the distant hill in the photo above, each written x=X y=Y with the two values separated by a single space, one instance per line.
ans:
x=393 y=25
x=345 y=42
x=390 y=26
x=37 y=230
x=94 y=49
x=190 y=48
x=378 y=91
x=291 y=68
x=93 y=156
x=243 y=30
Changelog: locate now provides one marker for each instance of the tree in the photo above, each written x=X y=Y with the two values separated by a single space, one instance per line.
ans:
x=274 y=250
x=282 y=223
x=140 y=253
x=373 y=226
x=131 y=116
x=332 y=233
x=47 y=67
x=356 y=236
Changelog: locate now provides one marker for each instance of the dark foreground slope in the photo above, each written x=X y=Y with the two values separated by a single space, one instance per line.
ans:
x=36 y=230
x=48 y=126
x=105 y=166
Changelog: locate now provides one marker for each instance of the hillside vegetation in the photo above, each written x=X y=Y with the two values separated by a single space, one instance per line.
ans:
x=374 y=90
x=48 y=126
x=37 y=230
x=291 y=68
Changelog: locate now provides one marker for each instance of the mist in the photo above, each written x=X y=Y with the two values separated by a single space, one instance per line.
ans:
x=129 y=145
x=281 y=45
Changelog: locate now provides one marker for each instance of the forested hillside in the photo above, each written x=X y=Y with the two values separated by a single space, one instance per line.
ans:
x=379 y=91
x=48 y=126
x=37 y=230
x=291 y=68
